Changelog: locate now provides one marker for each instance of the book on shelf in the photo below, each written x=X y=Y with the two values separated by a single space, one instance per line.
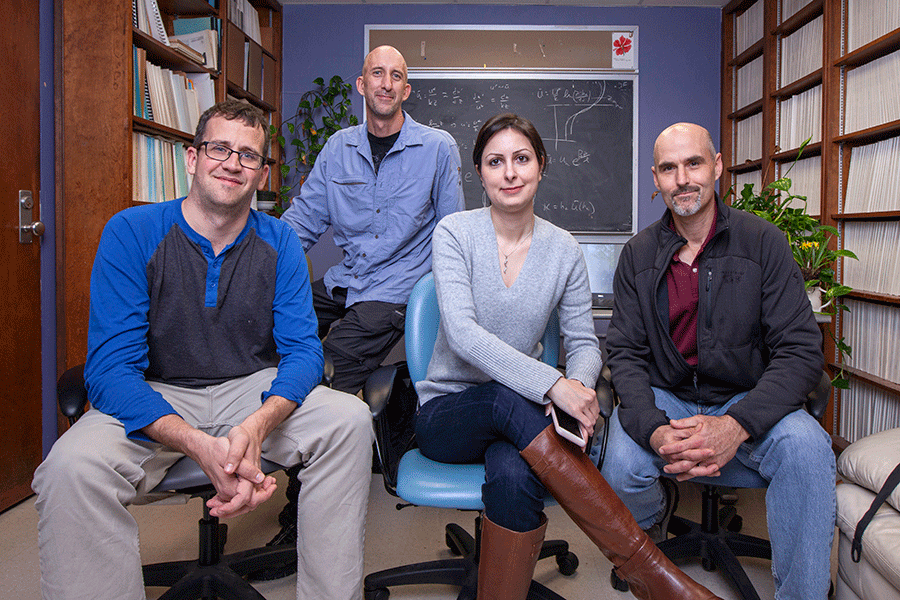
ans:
x=873 y=93
x=246 y=64
x=203 y=44
x=254 y=69
x=147 y=18
x=142 y=101
x=749 y=80
x=159 y=171
x=867 y=409
x=748 y=139
x=806 y=180
x=173 y=99
x=801 y=52
x=800 y=118
x=871 y=329
x=205 y=88
x=790 y=7
x=877 y=246
x=748 y=27
x=868 y=20
x=873 y=178
x=182 y=48
x=244 y=15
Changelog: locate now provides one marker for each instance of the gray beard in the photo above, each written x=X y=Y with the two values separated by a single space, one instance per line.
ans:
x=686 y=211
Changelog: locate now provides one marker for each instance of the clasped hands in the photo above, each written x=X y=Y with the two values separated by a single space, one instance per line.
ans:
x=698 y=446
x=232 y=464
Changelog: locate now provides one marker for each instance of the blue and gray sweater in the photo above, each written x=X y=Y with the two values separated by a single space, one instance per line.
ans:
x=165 y=308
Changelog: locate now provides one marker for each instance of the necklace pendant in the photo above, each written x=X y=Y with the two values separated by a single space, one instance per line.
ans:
x=505 y=264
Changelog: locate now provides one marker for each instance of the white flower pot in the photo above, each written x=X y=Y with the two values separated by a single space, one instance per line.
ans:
x=815 y=300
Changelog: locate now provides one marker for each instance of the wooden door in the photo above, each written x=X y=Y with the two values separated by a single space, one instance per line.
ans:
x=20 y=311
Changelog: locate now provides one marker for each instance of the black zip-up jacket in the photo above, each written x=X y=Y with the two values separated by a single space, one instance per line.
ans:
x=755 y=328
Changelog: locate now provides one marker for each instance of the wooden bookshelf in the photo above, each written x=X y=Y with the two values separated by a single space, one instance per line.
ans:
x=836 y=148
x=96 y=120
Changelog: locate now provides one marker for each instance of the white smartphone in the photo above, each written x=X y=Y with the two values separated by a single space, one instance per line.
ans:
x=567 y=426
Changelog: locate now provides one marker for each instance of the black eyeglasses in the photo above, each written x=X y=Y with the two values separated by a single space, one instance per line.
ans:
x=249 y=160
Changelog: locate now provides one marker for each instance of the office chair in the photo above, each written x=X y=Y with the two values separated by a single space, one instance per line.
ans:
x=423 y=482
x=213 y=575
x=716 y=540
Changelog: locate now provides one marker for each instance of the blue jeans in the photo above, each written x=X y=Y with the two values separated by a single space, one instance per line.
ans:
x=489 y=423
x=796 y=460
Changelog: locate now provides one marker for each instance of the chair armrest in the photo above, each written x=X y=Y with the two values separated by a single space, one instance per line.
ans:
x=71 y=394
x=378 y=390
x=817 y=400
x=606 y=398
x=605 y=393
x=327 y=372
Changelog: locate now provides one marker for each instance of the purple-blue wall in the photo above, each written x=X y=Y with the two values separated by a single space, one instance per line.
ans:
x=679 y=57
x=48 y=217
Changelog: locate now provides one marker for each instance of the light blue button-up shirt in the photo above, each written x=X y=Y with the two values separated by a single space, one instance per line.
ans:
x=383 y=223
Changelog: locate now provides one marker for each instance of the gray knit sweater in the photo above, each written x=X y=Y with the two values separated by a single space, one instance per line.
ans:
x=491 y=332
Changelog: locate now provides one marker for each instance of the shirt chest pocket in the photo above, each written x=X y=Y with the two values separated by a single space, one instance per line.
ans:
x=351 y=203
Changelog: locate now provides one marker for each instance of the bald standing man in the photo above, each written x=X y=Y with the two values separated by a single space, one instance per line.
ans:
x=381 y=187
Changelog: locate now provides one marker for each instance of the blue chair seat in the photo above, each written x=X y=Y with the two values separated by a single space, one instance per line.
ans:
x=425 y=482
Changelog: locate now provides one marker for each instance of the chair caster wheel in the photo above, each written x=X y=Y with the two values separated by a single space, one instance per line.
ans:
x=377 y=594
x=618 y=583
x=454 y=549
x=567 y=563
x=736 y=524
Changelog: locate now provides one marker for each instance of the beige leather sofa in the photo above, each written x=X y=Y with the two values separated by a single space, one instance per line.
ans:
x=863 y=467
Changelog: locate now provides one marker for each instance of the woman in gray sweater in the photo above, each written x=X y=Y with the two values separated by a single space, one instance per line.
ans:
x=499 y=273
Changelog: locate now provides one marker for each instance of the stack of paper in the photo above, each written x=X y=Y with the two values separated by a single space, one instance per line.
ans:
x=205 y=43
x=868 y=20
x=873 y=94
x=873 y=179
x=748 y=27
x=748 y=139
x=749 y=83
x=801 y=52
x=800 y=118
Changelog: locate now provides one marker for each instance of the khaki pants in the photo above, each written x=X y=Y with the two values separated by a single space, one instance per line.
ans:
x=89 y=541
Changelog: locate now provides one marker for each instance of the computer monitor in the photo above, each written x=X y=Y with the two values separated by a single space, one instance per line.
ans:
x=601 y=259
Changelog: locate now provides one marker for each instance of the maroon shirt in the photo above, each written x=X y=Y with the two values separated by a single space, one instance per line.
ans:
x=683 y=282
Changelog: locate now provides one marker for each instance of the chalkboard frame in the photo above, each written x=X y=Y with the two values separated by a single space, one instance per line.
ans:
x=584 y=235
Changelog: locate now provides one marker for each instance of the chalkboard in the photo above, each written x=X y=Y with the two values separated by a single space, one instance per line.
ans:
x=587 y=126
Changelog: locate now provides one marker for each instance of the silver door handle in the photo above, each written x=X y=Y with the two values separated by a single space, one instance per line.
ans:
x=28 y=228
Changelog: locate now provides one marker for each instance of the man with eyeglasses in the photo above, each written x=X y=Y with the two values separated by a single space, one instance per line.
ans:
x=202 y=342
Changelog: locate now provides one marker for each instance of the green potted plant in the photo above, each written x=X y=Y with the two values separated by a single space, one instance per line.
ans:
x=810 y=243
x=321 y=112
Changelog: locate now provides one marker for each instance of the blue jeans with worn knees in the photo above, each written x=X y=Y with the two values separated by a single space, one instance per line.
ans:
x=489 y=423
x=794 y=456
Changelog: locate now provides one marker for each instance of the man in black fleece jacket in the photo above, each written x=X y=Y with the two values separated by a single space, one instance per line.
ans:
x=713 y=348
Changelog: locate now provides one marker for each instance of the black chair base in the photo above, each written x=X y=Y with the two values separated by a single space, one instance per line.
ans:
x=214 y=575
x=462 y=572
x=715 y=541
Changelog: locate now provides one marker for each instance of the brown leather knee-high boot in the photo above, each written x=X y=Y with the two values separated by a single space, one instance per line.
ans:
x=507 y=560
x=584 y=494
